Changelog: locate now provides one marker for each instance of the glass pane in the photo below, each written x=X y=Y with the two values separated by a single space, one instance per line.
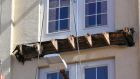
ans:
x=99 y=0
x=53 y=26
x=53 y=14
x=56 y=75
x=90 y=8
x=102 y=7
x=90 y=73
x=64 y=2
x=102 y=72
x=98 y=7
x=88 y=1
x=102 y=19
x=64 y=24
x=64 y=12
x=53 y=3
x=52 y=76
x=90 y=21
x=98 y=20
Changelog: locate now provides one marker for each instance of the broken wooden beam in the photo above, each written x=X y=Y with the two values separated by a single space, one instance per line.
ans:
x=39 y=47
x=84 y=41
x=67 y=44
x=99 y=40
x=106 y=36
x=117 y=38
x=89 y=39
x=128 y=34
x=55 y=44
x=71 y=41
x=123 y=37
x=29 y=51
x=49 y=47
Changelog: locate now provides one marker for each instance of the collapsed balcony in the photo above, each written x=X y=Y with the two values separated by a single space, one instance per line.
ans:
x=26 y=52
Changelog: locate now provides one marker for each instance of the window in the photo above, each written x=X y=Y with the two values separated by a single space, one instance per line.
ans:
x=48 y=73
x=95 y=13
x=88 y=16
x=96 y=73
x=103 y=69
x=55 y=75
x=59 y=13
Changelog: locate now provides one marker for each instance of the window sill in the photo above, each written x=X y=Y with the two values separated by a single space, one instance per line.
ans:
x=103 y=26
x=65 y=31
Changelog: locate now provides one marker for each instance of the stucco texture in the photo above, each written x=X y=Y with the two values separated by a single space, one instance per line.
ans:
x=26 y=13
x=5 y=37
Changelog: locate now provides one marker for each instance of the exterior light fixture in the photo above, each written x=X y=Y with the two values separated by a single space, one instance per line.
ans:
x=55 y=61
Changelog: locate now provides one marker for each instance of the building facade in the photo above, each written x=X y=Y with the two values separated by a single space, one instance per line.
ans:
x=32 y=21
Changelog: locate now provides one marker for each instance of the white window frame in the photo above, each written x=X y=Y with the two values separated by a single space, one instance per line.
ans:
x=76 y=71
x=77 y=9
x=55 y=35
x=99 y=29
x=59 y=18
x=100 y=63
x=43 y=72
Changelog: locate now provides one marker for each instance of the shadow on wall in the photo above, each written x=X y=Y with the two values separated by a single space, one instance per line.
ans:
x=6 y=70
x=7 y=24
x=2 y=1
x=24 y=14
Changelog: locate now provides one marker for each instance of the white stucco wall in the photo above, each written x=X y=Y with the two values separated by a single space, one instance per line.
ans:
x=5 y=36
x=126 y=58
x=26 y=18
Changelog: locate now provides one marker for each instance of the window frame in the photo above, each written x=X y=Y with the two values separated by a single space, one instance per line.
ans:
x=43 y=72
x=80 y=68
x=59 y=18
x=96 y=13
x=75 y=8
x=46 y=20
x=109 y=63
x=44 y=9
x=110 y=27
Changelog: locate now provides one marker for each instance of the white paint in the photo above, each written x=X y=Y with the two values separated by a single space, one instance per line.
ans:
x=12 y=27
x=5 y=36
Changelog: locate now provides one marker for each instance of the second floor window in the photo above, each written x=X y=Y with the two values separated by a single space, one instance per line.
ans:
x=96 y=13
x=88 y=16
x=59 y=15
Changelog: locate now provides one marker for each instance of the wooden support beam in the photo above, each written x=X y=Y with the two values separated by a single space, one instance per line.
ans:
x=26 y=52
x=126 y=29
x=72 y=41
x=55 y=44
x=39 y=48
x=106 y=36
x=20 y=49
x=88 y=38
